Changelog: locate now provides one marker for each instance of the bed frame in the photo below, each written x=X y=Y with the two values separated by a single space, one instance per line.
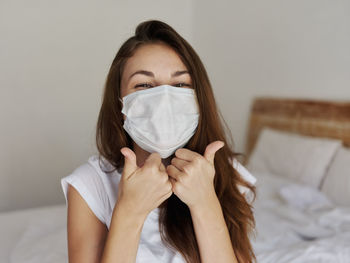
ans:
x=317 y=118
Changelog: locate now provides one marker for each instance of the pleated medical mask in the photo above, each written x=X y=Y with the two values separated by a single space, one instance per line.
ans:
x=161 y=119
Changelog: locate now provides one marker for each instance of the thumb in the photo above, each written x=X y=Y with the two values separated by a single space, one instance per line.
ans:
x=130 y=165
x=211 y=149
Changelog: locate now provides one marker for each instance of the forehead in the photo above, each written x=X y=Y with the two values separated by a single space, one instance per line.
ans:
x=157 y=57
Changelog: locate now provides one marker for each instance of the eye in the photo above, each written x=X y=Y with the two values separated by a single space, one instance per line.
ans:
x=182 y=85
x=143 y=85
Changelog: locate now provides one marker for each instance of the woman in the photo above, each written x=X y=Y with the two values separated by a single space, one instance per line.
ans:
x=166 y=186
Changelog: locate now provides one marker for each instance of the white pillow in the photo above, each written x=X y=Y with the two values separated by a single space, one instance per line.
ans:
x=304 y=197
x=302 y=158
x=336 y=184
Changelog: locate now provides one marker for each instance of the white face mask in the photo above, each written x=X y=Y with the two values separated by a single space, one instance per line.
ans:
x=161 y=119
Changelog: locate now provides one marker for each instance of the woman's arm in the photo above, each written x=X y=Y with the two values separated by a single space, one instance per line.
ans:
x=87 y=234
x=212 y=233
x=140 y=190
x=123 y=238
x=193 y=183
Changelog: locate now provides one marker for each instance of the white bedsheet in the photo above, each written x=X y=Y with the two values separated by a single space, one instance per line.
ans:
x=285 y=232
x=34 y=235
x=292 y=233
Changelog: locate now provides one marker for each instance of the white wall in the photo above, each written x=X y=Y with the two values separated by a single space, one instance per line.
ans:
x=292 y=48
x=55 y=56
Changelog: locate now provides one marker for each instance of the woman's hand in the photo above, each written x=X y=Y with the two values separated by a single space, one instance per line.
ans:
x=143 y=189
x=193 y=175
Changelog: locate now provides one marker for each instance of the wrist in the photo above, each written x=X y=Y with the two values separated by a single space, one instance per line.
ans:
x=125 y=211
x=211 y=203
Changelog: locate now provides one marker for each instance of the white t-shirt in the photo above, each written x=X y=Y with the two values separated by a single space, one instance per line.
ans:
x=100 y=189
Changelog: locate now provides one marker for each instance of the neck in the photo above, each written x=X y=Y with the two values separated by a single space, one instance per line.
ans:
x=142 y=155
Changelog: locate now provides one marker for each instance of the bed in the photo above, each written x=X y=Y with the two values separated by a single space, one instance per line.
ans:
x=293 y=149
x=299 y=152
x=34 y=235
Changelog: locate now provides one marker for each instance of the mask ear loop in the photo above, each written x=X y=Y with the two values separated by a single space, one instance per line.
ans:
x=122 y=104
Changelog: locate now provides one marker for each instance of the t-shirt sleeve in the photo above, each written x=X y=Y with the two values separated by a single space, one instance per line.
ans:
x=89 y=184
x=246 y=175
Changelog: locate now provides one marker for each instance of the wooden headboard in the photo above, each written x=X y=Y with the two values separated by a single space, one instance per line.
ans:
x=317 y=118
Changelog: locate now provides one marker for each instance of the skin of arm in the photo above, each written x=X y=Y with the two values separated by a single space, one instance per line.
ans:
x=192 y=179
x=89 y=240
x=212 y=233
x=123 y=238
x=140 y=191
x=86 y=233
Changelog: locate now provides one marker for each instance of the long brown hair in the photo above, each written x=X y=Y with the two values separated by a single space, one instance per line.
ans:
x=175 y=222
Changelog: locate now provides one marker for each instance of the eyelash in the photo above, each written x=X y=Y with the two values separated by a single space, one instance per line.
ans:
x=142 y=85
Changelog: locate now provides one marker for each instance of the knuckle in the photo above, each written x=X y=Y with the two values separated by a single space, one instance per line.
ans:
x=150 y=168
x=171 y=168
x=165 y=177
x=197 y=159
x=154 y=168
x=152 y=158
x=187 y=168
x=162 y=167
x=178 y=151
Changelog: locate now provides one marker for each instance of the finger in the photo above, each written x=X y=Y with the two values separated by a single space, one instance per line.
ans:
x=211 y=149
x=162 y=167
x=186 y=154
x=174 y=173
x=179 y=163
x=130 y=165
x=153 y=159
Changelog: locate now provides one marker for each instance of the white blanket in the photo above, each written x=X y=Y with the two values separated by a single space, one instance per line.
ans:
x=306 y=228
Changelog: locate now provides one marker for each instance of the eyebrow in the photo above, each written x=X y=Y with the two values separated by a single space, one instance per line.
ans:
x=150 y=74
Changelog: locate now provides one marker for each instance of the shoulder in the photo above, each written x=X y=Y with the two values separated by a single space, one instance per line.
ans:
x=88 y=180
